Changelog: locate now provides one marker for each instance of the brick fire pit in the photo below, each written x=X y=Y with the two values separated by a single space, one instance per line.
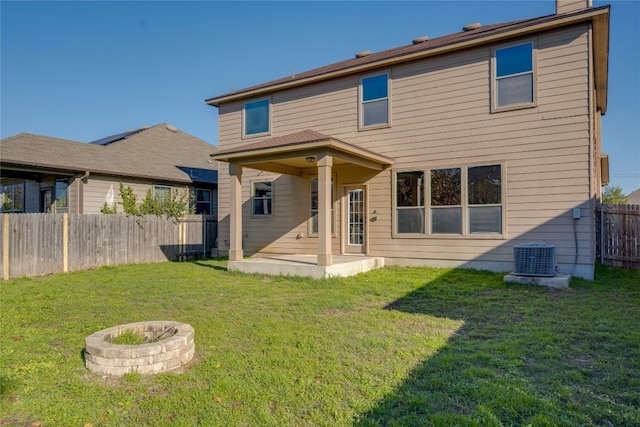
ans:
x=172 y=346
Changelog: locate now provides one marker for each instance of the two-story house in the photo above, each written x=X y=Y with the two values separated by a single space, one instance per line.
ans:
x=445 y=151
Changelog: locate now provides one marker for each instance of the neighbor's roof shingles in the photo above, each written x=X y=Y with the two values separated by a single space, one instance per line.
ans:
x=155 y=153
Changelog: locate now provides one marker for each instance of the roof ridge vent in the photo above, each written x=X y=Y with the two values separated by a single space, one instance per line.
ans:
x=471 y=26
x=363 y=53
x=420 y=39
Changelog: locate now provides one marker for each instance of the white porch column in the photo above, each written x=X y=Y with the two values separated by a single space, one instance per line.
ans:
x=325 y=163
x=235 y=216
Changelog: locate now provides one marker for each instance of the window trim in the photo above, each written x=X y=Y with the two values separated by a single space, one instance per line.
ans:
x=361 y=102
x=334 y=190
x=534 y=76
x=245 y=135
x=464 y=217
x=272 y=198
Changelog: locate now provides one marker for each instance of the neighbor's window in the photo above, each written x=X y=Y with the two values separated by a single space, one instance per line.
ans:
x=314 y=207
x=484 y=189
x=514 y=79
x=62 y=194
x=13 y=197
x=203 y=201
x=375 y=100
x=256 y=117
x=446 y=201
x=262 y=197
x=410 y=202
x=162 y=192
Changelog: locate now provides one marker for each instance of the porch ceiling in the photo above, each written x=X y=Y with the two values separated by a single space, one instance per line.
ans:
x=295 y=153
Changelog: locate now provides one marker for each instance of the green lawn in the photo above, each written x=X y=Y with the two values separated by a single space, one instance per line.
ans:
x=393 y=347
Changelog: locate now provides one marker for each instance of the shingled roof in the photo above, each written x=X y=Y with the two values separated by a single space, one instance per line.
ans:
x=159 y=152
x=461 y=40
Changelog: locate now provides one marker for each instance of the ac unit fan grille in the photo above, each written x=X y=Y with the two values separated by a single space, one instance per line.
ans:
x=534 y=259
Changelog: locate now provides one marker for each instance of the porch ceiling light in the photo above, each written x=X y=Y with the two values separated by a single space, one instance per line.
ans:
x=310 y=159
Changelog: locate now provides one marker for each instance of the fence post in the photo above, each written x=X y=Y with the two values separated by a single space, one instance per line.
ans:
x=65 y=242
x=5 y=247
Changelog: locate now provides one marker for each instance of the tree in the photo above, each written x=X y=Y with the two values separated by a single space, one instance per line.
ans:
x=613 y=196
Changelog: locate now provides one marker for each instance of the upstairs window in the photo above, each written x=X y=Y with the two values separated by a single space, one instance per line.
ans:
x=514 y=78
x=262 y=198
x=256 y=117
x=375 y=100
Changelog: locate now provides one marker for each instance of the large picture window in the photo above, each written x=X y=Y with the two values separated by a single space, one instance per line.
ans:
x=262 y=198
x=459 y=201
x=256 y=117
x=375 y=100
x=484 y=187
x=410 y=202
x=13 y=197
x=446 y=201
x=514 y=76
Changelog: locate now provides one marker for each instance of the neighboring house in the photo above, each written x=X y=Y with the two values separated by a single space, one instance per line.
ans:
x=44 y=174
x=634 y=197
x=442 y=152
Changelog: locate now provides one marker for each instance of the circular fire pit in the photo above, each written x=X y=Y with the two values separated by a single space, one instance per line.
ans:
x=168 y=346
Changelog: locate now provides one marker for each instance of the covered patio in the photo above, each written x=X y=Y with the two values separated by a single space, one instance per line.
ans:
x=295 y=154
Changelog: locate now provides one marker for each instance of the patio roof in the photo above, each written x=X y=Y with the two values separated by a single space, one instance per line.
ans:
x=292 y=154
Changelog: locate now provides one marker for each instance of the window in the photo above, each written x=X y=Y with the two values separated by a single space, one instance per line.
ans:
x=514 y=79
x=410 y=202
x=61 y=194
x=484 y=185
x=375 y=100
x=460 y=201
x=314 y=207
x=256 y=117
x=162 y=192
x=203 y=201
x=13 y=197
x=262 y=198
x=446 y=201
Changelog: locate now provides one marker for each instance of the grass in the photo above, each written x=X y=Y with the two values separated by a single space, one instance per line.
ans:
x=393 y=347
x=128 y=337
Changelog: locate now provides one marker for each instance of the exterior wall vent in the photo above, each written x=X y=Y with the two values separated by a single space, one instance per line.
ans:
x=534 y=259
x=363 y=53
x=471 y=26
x=421 y=39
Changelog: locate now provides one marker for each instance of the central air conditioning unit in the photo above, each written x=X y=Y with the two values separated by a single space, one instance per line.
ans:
x=534 y=259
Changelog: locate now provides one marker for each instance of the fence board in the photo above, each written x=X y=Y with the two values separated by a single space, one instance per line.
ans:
x=618 y=235
x=35 y=242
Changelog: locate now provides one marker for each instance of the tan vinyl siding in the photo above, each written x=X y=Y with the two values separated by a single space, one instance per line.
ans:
x=441 y=117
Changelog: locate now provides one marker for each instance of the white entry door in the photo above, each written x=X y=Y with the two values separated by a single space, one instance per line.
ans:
x=354 y=234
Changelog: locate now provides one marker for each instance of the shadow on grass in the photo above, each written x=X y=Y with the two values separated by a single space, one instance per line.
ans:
x=214 y=267
x=524 y=356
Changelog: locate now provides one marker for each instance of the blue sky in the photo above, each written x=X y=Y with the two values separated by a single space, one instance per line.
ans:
x=85 y=70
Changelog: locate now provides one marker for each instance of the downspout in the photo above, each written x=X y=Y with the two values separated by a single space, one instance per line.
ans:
x=80 y=191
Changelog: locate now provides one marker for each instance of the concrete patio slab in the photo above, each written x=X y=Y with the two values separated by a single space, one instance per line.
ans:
x=557 y=281
x=305 y=265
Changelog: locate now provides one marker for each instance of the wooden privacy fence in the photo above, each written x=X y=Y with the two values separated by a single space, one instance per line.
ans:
x=618 y=235
x=39 y=244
